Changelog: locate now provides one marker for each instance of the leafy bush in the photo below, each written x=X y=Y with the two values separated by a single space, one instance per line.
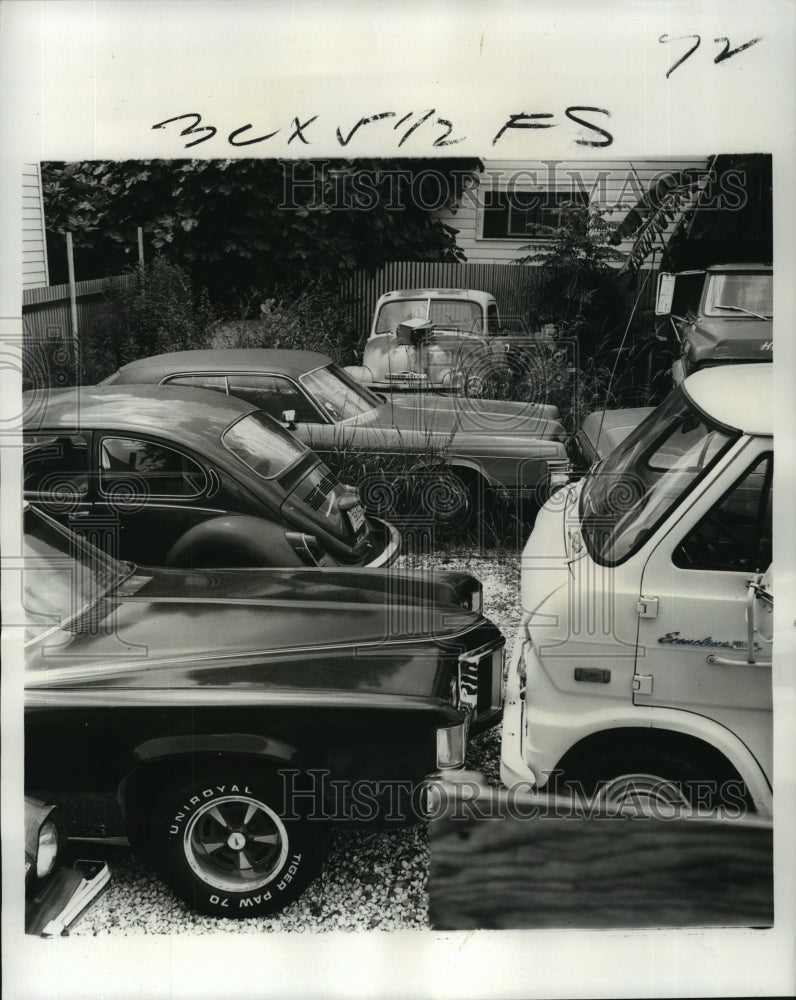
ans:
x=310 y=318
x=160 y=312
x=579 y=291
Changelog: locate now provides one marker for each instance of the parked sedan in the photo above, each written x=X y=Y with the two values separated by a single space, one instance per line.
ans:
x=487 y=443
x=226 y=717
x=187 y=477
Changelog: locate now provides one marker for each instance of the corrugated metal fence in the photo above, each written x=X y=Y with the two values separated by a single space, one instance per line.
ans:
x=46 y=311
x=513 y=286
x=47 y=315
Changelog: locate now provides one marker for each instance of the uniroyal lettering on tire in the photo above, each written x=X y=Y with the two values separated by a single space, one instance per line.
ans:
x=226 y=849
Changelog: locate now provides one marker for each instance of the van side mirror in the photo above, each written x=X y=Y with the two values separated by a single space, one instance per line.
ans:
x=289 y=419
x=759 y=614
x=665 y=294
x=759 y=622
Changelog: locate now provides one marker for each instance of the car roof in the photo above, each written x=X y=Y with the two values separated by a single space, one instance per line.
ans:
x=231 y=359
x=408 y=293
x=739 y=396
x=742 y=268
x=196 y=417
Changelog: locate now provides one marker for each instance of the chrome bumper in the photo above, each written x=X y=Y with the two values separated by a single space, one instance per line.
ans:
x=65 y=897
x=392 y=545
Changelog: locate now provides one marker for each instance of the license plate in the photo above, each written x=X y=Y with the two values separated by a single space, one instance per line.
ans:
x=357 y=518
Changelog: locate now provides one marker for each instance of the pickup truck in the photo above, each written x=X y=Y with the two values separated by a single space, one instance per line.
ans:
x=721 y=314
x=443 y=339
x=642 y=667
x=224 y=718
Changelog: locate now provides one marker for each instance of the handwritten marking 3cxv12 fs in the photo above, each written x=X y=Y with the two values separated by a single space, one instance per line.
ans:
x=427 y=124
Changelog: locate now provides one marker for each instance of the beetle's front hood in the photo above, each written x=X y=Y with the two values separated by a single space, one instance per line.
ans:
x=220 y=627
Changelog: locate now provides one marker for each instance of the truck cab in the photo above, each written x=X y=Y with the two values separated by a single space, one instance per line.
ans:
x=642 y=666
x=721 y=314
x=423 y=338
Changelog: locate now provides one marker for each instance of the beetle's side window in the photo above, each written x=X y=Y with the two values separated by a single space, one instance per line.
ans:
x=216 y=382
x=135 y=470
x=56 y=465
x=736 y=533
x=274 y=395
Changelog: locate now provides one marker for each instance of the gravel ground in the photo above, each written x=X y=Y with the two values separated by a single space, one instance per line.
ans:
x=371 y=880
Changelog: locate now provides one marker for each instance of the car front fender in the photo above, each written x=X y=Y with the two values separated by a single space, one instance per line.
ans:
x=241 y=537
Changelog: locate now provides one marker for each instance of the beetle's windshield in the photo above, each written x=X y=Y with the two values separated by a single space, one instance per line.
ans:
x=262 y=444
x=740 y=293
x=337 y=394
x=635 y=487
x=63 y=576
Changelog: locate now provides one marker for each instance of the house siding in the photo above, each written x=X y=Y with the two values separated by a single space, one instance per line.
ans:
x=34 y=244
x=614 y=184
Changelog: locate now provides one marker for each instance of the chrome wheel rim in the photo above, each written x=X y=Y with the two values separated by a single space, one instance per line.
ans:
x=236 y=843
x=646 y=794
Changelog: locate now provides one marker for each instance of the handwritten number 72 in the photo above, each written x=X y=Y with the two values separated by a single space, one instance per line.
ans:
x=726 y=52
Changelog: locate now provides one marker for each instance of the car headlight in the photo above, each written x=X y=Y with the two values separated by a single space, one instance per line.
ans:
x=476 y=600
x=47 y=850
x=453 y=378
x=451 y=745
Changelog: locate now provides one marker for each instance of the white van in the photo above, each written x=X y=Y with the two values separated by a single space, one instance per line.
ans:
x=642 y=668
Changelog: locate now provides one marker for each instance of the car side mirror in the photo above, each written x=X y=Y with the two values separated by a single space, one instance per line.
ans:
x=665 y=295
x=759 y=614
x=289 y=419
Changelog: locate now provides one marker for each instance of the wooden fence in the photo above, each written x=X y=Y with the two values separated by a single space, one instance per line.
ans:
x=46 y=311
x=540 y=863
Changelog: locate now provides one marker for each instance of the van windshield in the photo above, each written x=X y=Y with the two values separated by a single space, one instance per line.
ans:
x=628 y=495
x=751 y=294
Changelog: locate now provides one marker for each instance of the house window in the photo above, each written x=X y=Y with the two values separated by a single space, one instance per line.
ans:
x=516 y=215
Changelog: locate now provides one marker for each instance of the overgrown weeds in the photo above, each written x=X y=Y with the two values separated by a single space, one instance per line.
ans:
x=432 y=502
x=310 y=318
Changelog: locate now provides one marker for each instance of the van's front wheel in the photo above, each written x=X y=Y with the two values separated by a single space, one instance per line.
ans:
x=651 y=785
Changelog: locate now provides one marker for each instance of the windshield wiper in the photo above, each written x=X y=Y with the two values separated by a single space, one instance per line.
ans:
x=747 y=312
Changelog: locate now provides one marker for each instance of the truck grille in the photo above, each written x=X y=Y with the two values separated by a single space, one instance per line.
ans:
x=480 y=679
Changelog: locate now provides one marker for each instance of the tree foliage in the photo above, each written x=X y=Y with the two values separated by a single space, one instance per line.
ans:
x=578 y=292
x=238 y=224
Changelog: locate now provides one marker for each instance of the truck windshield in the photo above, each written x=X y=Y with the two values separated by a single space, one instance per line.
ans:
x=628 y=495
x=752 y=294
x=447 y=314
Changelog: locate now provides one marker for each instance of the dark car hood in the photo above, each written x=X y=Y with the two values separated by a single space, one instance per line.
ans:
x=313 y=628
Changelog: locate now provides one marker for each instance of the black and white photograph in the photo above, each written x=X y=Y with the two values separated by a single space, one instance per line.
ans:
x=389 y=508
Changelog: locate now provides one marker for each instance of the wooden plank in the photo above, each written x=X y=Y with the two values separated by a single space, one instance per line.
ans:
x=557 y=871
